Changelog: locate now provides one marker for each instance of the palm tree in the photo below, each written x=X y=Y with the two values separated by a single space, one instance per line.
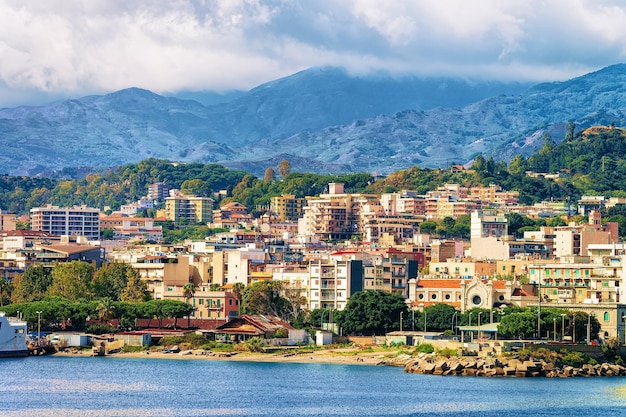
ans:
x=238 y=291
x=188 y=292
x=105 y=309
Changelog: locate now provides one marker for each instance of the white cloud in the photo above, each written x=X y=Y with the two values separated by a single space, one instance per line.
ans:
x=75 y=47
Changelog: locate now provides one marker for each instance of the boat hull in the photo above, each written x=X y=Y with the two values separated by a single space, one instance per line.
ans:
x=14 y=353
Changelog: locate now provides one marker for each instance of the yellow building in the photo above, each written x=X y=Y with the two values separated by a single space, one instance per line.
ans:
x=193 y=209
x=287 y=207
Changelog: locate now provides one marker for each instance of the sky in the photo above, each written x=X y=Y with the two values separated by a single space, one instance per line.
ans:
x=57 y=49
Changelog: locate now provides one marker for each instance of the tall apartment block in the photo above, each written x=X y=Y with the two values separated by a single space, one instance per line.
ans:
x=158 y=191
x=74 y=221
x=194 y=209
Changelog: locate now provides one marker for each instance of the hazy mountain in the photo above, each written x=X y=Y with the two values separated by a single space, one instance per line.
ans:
x=320 y=119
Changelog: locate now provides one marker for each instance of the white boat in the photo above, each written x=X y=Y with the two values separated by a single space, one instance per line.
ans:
x=12 y=337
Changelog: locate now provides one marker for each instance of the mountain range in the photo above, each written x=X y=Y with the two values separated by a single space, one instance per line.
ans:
x=320 y=120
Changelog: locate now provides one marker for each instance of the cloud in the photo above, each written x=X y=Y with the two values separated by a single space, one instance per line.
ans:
x=77 y=47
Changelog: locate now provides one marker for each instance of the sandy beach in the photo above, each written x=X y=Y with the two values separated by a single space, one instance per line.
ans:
x=344 y=356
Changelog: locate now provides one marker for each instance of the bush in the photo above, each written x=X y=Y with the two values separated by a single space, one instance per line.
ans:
x=576 y=359
x=424 y=348
x=447 y=352
x=254 y=344
x=134 y=349
x=192 y=341
x=281 y=333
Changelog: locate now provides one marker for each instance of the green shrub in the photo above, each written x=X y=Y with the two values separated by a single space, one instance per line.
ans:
x=424 y=348
x=254 y=344
x=134 y=349
x=576 y=359
x=192 y=341
x=281 y=333
x=447 y=352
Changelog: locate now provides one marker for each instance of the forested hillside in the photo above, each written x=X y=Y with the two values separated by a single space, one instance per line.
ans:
x=590 y=162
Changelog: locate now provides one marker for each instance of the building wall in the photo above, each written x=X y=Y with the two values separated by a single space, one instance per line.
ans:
x=74 y=221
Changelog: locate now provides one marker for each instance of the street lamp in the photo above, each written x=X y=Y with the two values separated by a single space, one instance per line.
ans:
x=479 y=314
x=470 y=325
x=424 y=320
x=562 y=325
x=554 y=335
x=401 y=321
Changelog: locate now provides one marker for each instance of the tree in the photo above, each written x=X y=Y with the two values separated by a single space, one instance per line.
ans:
x=570 y=127
x=136 y=290
x=522 y=324
x=518 y=165
x=439 y=317
x=163 y=309
x=32 y=285
x=195 y=187
x=110 y=280
x=237 y=290
x=270 y=176
x=428 y=227
x=107 y=234
x=265 y=297
x=71 y=280
x=372 y=312
x=5 y=288
x=188 y=292
x=555 y=222
x=284 y=168
x=105 y=309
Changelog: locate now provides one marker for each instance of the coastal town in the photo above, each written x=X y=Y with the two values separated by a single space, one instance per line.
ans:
x=324 y=249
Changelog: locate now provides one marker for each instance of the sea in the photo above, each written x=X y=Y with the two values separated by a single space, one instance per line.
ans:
x=109 y=386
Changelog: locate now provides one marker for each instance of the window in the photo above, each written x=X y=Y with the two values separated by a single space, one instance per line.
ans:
x=433 y=296
x=447 y=296
x=476 y=300
x=421 y=296
x=606 y=316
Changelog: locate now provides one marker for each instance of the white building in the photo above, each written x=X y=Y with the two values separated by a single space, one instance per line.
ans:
x=74 y=221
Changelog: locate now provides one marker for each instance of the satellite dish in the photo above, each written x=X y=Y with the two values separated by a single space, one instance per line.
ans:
x=265 y=228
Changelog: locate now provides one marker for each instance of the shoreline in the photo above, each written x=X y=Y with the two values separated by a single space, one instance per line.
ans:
x=331 y=356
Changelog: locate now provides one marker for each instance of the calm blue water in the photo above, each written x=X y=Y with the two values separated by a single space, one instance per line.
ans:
x=92 y=386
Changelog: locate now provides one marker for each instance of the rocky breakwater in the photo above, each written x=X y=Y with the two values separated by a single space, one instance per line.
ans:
x=470 y=366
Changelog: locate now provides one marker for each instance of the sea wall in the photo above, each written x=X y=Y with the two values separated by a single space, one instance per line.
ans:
x=468 y=366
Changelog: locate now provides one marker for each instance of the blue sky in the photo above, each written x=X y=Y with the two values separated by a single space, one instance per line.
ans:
x=69 y=48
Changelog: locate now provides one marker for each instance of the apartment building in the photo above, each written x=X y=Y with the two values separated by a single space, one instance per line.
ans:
x=207 y=303
x=190 y=208
x=332 y=282
x=7 y=221
x=337 y=215
x=287 y=207
x=132 y=228
x=591 y=285
x=158 y=191
x=74 y=221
